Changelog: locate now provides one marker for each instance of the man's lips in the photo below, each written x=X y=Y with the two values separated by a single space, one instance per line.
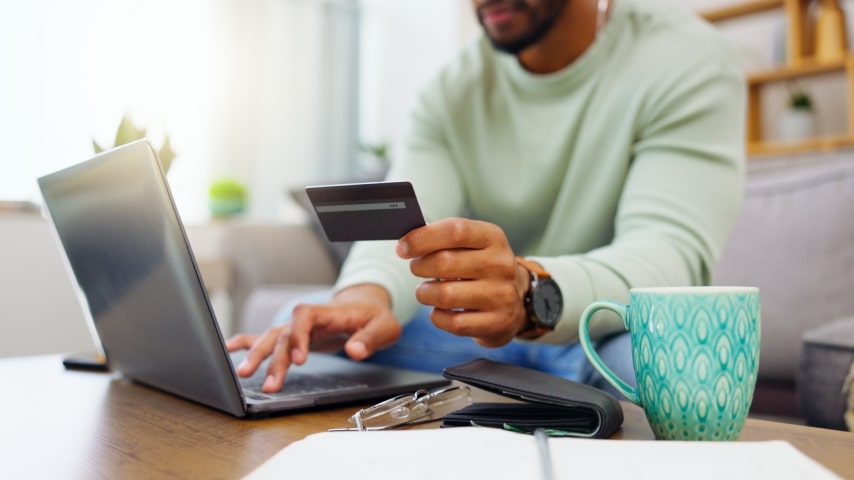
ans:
x=497 y=15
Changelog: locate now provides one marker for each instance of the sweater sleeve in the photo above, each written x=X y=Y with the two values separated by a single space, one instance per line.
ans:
x=680 y=200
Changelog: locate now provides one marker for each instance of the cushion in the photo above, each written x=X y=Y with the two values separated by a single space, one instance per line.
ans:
x=794 y=239
x=264 y=303
x=825 y=363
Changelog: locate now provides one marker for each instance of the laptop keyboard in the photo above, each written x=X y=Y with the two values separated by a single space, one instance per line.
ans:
x=298 y=384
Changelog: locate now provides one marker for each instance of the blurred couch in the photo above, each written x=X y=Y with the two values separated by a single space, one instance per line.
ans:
x=794 y=240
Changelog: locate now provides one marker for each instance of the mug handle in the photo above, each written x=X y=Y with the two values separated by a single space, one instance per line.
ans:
x=584 y=337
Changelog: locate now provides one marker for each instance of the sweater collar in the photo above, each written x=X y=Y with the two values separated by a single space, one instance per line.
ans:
x=574 y=73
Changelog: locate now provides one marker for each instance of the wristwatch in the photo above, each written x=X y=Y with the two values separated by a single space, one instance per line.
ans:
x=543 y=301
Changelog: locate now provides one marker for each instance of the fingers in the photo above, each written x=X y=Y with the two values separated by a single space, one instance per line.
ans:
x=280 y=361
x=486 y=328
x=474 y=281
x=284 y=345
x=306 y=320
x=462 y=264
x=375 y=335
x=487 y=310
x=317 y=325
x=241 y=341
x=482 y=294
x=449 y=233
x=259 y=346
x=458 y=249
x=368 y=325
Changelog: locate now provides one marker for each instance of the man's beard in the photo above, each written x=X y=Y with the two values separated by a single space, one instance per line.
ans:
x=541 y=23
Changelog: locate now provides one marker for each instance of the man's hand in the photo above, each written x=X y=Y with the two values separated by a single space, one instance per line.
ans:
x=361 y=314
x=475 y=284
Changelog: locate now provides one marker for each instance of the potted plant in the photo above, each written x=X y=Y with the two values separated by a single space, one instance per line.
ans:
x=128 y=132
x=798 y=120
x=226 y=197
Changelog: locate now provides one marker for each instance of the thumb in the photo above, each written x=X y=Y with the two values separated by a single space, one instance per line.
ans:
x=374 y=336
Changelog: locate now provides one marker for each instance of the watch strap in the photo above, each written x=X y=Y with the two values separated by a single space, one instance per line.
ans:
x=532 y=328
x=533 y=267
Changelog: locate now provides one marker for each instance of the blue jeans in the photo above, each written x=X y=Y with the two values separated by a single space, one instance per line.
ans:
x=426 y=348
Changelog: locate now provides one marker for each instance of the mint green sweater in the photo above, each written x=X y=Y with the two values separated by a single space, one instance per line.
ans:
x=623 y=170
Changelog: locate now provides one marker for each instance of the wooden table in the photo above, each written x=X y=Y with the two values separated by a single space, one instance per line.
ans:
x=63 y=424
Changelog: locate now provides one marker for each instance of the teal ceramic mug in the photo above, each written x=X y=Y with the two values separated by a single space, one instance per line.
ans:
x=696 y=353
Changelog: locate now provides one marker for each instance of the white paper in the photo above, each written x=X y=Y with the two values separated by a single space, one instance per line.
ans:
x=471 y=453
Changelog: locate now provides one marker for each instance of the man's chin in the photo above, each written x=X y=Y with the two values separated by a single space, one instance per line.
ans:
x=515 y=42
x=512 y=47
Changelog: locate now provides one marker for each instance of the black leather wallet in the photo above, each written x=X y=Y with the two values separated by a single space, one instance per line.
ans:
x=558 y=405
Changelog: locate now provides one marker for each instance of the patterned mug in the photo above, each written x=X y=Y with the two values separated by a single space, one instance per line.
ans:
x=696 y=353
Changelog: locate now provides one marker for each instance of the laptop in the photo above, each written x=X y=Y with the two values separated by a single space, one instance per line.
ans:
x=127 y=249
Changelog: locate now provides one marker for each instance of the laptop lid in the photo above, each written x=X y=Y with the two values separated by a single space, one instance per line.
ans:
x=121 y=233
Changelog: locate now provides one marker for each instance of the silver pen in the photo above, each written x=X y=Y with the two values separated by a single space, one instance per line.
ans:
x=545 y=455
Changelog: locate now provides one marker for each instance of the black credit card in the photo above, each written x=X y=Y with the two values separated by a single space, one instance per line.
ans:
x=366 y=211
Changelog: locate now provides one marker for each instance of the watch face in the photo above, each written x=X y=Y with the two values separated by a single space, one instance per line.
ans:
x=547 y=302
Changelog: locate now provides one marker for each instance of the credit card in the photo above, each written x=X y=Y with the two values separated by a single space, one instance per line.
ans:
x=366 y=211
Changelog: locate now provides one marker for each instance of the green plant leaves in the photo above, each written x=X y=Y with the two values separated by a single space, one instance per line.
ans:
x=166 y=154
x=129 y=132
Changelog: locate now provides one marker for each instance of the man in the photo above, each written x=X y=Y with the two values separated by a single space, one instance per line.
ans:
x=601 y=144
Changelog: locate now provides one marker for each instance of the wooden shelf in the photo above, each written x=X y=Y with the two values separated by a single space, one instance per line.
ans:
x=795 y=11
x=822 y=144
x=807 y=67
x=800 y=63
x=741 y=9
x=758 y=146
